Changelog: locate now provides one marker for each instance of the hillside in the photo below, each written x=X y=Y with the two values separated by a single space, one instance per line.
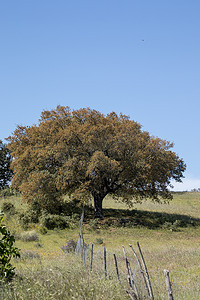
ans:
x=168 y=234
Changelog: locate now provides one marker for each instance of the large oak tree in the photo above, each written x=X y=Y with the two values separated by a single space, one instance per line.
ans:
x=85 y=154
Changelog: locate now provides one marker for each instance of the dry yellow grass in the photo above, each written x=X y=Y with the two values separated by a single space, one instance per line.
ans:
x=178 y=251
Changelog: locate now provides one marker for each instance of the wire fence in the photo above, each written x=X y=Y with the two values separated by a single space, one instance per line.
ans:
x=128 y=266
x=128 y=270
x=113 y=266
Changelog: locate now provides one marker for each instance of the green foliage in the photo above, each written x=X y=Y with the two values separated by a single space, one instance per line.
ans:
x=8 y=192
x=94 y=224
x=35 y=211
x=7 y=251
x=70 y=207
x=173 y=226
x=27 y=218
x=68 y=215
x=43 y=229
x=5 y=161
x=8 y=208
x=55 y=221
x=31 y=215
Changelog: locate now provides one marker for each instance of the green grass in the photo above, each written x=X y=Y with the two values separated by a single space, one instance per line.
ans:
x=183 y=203
x=51 y=274
x=60 y=278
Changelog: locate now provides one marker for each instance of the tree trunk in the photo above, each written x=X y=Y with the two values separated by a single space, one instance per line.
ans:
x=98 y=199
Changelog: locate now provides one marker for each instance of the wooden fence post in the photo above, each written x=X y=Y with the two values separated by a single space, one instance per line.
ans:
x=130 y=277
x=146 y=272
x=168 y=285
x=92 y=252
x=141 y=270
x=105 y=265
x=116 y=266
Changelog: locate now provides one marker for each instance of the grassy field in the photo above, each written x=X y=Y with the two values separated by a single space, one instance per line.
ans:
x=169 y=235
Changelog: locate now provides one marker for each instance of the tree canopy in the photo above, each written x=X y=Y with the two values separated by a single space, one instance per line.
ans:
x=85 y=154
x=5 y=171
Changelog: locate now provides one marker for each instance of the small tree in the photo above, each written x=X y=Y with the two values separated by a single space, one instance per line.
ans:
x=7 y=251
x=5 y=171
x=86 y=154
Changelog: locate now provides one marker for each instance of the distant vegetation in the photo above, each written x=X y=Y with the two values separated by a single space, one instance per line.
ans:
x=5 y=161
x=195 y=190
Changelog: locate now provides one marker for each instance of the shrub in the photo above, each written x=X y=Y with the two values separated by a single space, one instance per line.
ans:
x=70 y=208
x=34 y=212
x=32 y=215
x=24 y=220
x=73 y=221
x=8 y=208
x=29 y=217
x=167 y=225
x=8 y=192
x=55 y=221
x=75 y=217
x=172 y=226
x=94 y=224
x=29 y=236
x=175 y=225
x=42 y=229
x=7 y=251
x=70 y=247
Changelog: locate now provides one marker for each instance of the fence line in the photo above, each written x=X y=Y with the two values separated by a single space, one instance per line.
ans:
x=126 y=270
x=130 y=271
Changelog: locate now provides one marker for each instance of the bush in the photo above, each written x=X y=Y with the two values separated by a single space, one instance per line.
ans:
x=94 y=224
x=24 y=220
x=8 y=192
x=8 y=208
x=55 y=221
x=32 y=215
x=29 y=236
x=7 y=251
x=70 y=247
x=75 y=217
x=42 y=229
x=70 y=208
x=35 y=211
x=28 y=217
x=172 y=226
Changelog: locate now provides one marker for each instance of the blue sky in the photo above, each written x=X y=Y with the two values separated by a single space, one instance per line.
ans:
x=140 y=58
